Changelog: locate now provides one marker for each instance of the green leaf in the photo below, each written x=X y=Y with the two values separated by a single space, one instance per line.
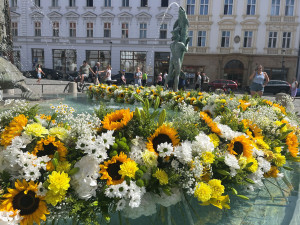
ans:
x=234 y=191
x=243 y=197
x=137 y=113
x=139 y=98
x=162 y=117
x=249 y=164
x=288 y=168
x=223 y=172
x=157 y=101
x=74 y=171
x=249 y=181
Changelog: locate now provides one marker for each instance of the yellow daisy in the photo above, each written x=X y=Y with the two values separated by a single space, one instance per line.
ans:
x=24 y=198
x=117 y=120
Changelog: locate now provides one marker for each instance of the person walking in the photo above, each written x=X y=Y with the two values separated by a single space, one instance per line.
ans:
x=97 y=73
x=259 y=81
x=198 y=81
x=294 y=88
x=123 y=78
x=84 y=71
x=144 y=79
x=39 y=73
x=159 y=79
x=107 y=78
x=138 y=77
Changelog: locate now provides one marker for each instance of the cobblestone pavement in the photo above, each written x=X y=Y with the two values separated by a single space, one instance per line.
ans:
x=57 y=87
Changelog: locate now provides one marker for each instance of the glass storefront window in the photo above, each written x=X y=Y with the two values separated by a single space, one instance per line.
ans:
x=37 y=57
x=131 y=60
x=161 y=63
x=65 y=60
x=94 y=56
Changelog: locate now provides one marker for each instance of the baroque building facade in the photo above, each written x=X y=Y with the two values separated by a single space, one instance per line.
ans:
x=228 y=38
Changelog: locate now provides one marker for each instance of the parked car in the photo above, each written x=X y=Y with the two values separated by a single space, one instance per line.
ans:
x=221 y=84
x=129 y=78
x=49 y=74
x=298 y=92
x=277 y=86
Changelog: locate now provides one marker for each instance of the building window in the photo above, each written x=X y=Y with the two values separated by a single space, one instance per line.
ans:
x=14 y=29
x=124 y=30
x=144 y=3
x=225 y=39
x=17 y=59
x=163 y=31
x=94 y=56
x=191 y=34
x=55 y=27
x=89 y=3
x=14 y=3
x=286 y=39
x=107 y=30
x=125 y=3
x=37 y=3
x=107 y=3
x=228 y=5
x=275 y=7
x=37 y=56
x=89 y=29
x=190 y=7
x=164 y=3
x=131 y=60
x=54 y=3
x=64 y=60
x=143 y=30
x=272 y=39
x=37 y=29
x=201 y=38
x=72 y=3
x=248 y=39
x=289 y=7
x=72 y=29
x=203 y=7
x=251 y=7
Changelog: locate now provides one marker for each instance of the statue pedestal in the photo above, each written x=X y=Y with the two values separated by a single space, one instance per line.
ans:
x=9 y=91
x=72 y=88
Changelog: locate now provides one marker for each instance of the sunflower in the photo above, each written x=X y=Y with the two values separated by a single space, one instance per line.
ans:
x=14 y=129
x=240 y=145
x=292 y=143
x=121 y=95
x=110 y=169
x=24 y=198
x=48 y=147
x=117 y=120
x=253 y=130
x=162 y=134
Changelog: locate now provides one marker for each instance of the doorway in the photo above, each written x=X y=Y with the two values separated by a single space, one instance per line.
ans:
x=234 y=70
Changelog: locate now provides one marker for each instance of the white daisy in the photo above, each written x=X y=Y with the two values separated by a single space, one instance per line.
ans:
x=165 y=149
x=41 y=191
x=121 y=205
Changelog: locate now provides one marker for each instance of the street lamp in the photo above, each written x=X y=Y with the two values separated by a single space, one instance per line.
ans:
x=282 y=65
x=110 y=51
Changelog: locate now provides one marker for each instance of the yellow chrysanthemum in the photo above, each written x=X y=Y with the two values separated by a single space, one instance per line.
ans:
x=36 y=129
x=240 y=145
x=279 y=159
x=216 y=187
x=162 y=134
x=277 y=149
x=110 y=169
x=208 y=157
x=59 y=132
x=244 y=104
x=54 y=198
x=14 y=129
x=117 y=120
x=161 y=176
x=150 y=158
x=214 y=139
x=273 y=172
x=253 y=168
x=63 y=166
x=292 y=143
x=128 y=169
x=48 y=147
x=260 y=144
x=242 y=162
x=268 y=155
x=213 y=126
x=279 y=123
x=24 y=198
x=203 y=192
x=59 y=182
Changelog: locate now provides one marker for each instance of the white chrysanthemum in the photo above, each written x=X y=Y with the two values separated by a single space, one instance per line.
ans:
x=149 y=158
x=175 y=164
x=257 y=177
x=202 y=143
x=231 y=161
x=136 y=150
x=41 y=191
x=227 y=133
x=84 y=181
x=184 y=152
x=121 y=205
x=197 y=168
x=165 y=149
x=120 y=190
x=108 y=138
x=265 y=165
x=7 y=218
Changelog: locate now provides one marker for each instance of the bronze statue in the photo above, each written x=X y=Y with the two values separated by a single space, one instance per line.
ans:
x=178 y=48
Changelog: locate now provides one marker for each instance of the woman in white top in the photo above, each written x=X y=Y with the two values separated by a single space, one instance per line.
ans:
x=294 y=88
x=107 y=77
x=259 y=81
x=39 y=73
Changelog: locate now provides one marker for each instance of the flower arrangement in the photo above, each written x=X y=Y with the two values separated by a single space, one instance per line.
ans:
x=133 y=161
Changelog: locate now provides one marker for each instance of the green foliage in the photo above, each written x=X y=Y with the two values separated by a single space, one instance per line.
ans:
x=102 y=111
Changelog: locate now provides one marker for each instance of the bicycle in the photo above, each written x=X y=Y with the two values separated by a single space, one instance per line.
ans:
x=81 y=86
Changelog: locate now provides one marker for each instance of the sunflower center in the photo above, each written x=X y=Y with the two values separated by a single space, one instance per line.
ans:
x=113 y=170
x=238 y=147
x=159 y=139
x=26 y=203
x=48 y=150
